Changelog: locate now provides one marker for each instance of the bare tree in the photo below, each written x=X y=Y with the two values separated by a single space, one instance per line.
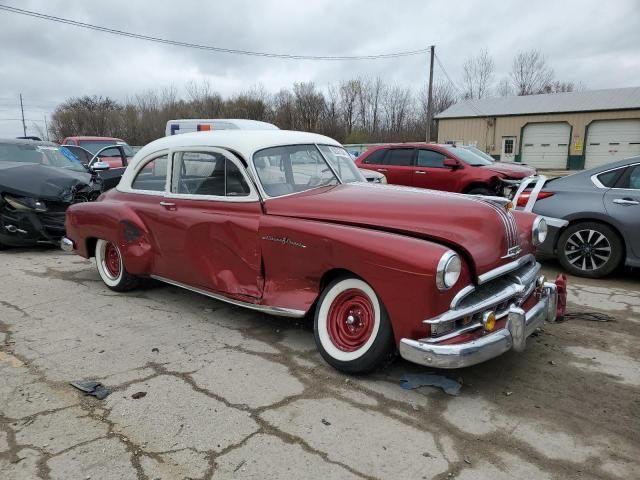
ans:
x=505 y=88
x=348 y=98
x=443 y=96
x=530 y=73
x=310 y=104
x=478 y=75
x=559 y=87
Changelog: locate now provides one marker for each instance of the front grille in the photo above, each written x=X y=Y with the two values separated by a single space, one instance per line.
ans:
x=497 y=295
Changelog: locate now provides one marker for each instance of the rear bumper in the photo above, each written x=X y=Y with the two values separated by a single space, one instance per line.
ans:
x=519 y=326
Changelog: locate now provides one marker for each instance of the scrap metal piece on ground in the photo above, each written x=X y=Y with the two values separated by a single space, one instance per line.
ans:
x=409 y=381
x=89 y=387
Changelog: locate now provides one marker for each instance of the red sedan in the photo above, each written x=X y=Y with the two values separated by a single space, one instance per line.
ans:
x=443 y=167
x=267 y=220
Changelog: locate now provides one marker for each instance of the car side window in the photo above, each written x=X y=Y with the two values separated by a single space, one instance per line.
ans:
x=609 y=179
x=430 y=158
x=400 y=157
x=376 y=158
x=152 y=176
x=630 y=179
x=207 y=173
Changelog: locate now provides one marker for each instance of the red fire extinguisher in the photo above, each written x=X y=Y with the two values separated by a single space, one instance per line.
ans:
x=561 y=284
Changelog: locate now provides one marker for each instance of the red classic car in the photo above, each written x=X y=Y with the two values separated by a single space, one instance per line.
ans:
x=443 y=167
x=266 y=220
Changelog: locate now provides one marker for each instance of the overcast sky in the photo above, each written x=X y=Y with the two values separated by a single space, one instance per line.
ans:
x=589 y=41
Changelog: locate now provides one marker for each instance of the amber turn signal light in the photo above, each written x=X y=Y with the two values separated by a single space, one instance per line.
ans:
x=489 y=321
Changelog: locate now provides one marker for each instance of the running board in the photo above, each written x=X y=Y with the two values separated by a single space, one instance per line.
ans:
x=278 y=311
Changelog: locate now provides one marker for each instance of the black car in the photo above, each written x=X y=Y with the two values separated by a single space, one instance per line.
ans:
x=37 y=184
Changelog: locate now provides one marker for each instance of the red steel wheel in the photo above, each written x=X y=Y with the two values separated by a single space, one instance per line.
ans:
x=111 y=268
x=351 y=320
x=352 y=330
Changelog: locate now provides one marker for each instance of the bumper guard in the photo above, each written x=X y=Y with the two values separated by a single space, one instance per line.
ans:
x=519 y=326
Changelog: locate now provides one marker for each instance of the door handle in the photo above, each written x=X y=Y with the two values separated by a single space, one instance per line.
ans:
x=420 y=172
x=626 y=201
x=168 y=205
x=381 y=169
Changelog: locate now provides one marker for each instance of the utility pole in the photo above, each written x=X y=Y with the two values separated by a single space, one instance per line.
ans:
x=429 y=98
x=46 y=127
x=24 y=125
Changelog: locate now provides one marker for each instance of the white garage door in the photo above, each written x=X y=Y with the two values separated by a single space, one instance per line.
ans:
x=546 y=145
x=610 y=140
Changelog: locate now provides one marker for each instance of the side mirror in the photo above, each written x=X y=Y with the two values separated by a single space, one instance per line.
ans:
x=450 y=163
x=100 y=166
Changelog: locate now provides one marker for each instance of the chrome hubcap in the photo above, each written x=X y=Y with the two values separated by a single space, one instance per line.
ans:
x=587 y=250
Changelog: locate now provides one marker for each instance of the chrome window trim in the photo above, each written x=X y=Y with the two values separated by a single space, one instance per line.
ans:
x=497 y=272
x=140 y=165
x=598 y=184
x=279 y=311
x=252 y=197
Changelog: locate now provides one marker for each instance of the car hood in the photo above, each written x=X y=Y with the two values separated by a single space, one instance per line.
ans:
x=478 y=229
x=510 y=170
x=41 y=181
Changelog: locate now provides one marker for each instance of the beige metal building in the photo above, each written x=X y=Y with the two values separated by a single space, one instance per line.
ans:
x=556 y=131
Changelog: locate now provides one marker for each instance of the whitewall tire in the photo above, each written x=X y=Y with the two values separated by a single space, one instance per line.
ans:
x=352 y=329
x=111 y=267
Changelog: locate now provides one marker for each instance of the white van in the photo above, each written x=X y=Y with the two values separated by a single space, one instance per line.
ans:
x=189 y=125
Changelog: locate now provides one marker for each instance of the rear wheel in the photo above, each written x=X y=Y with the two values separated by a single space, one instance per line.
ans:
x=590 y=249
x=111 y=267
x=352 y=328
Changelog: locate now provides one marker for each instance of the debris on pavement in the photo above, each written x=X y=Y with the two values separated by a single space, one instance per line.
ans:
x=326 y=422
x=588 y=316
x=410 y=381
x=95 y=389
x=508 y=393
x=138 y=395
x=155 y=350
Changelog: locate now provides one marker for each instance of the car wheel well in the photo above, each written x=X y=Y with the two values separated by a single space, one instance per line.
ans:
x=91 y=247
x=592 y=220
x=475 y=185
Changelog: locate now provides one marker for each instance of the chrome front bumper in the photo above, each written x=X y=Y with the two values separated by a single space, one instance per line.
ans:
x=519 y=326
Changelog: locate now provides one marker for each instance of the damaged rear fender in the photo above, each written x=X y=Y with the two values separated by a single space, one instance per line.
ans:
x=117 y=224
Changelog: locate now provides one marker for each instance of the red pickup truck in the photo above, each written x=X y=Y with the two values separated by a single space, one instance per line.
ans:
x=443 y=167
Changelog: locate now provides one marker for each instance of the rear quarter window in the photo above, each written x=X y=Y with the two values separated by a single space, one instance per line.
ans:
x=609 y=179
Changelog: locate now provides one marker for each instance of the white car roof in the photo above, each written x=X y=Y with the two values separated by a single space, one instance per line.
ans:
x=244 y=142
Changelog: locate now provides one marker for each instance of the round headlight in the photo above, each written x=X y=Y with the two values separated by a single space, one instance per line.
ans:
x=449 y=268
x=539 y=231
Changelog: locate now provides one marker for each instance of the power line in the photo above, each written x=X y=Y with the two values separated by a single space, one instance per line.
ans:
x=233 y=51
x=470 y=103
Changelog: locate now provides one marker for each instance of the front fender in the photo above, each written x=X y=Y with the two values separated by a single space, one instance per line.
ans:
x=401 y=269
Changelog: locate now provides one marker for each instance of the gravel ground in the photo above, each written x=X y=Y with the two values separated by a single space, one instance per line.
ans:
x=205 y=390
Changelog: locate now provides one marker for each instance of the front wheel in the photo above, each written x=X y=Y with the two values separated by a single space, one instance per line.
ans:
x=590 y=249
x=352 y=328
x=111 y=267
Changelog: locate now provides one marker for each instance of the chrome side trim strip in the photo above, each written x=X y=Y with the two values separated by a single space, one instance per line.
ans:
x=279 y=311
x=506 y=268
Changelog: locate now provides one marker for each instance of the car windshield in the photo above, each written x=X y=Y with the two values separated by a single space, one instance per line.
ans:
x=49 y=155
x=467 y=156
x=291 y=169
x=94 y=147
x=480 y=153
x=342 y=163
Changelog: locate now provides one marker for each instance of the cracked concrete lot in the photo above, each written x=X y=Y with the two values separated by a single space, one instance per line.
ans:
x=233 y=394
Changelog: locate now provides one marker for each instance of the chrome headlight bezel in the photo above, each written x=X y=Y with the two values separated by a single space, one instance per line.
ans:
x=539 y=231
x=448 y=271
